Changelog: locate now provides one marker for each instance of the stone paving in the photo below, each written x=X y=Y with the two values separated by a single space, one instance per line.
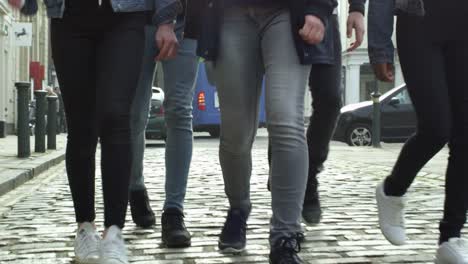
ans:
x=37 y=220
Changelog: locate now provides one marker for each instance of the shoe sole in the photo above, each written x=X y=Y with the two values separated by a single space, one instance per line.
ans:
x=83 y=261
x=147 y=223
x=178 y=244
x=228 y=249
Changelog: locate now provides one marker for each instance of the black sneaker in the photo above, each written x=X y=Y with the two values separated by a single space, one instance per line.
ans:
x=174 y=234
x=312 y=211
x=285 y=250
x=233 y=236
x=140 y=208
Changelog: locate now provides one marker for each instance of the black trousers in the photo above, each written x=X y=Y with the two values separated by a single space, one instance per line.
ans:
x=325 y=86
x=98 y=56
x=436 y=74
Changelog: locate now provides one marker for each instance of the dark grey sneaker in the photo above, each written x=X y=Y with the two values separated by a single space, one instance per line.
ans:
x=285 y=251
x=142 y=214
x=174 y=234
x=311 y=210
x=233 y=235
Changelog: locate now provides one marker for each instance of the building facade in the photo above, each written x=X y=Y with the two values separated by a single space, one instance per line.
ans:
x=20 y=63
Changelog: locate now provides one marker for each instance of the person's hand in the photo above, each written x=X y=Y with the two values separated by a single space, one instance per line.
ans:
x=384 y=71
x=356 y=22
x=313 y=30
x=166 y=41
x=17 y=4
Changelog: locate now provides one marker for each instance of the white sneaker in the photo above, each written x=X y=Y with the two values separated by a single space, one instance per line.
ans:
x=87 y=244
x=391 y=216
x=113 y=249
x=455 y=251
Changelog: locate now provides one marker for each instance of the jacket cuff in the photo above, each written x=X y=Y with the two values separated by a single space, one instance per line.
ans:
x=167 y=14
x=380 y=56
x=357 y=7
x=322 y=12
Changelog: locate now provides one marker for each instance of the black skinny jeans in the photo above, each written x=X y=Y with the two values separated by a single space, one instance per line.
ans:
x=98 y=56
x=436 y=74
x=325 y=86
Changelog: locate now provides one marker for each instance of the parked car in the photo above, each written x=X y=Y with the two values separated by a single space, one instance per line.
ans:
x=398 y=119
x=156 y=128
x=206 y=114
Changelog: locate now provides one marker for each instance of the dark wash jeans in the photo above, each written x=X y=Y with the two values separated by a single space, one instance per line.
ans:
x=436 y=74
x=98 y=56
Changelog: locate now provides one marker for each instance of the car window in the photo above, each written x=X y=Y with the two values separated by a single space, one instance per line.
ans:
x=404 y=97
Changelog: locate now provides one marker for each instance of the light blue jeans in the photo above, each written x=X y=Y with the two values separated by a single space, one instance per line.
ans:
x=257 y=42
x=179 y=79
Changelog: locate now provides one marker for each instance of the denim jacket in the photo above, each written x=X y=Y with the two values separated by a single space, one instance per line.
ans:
x=380 y=26
x=165 y=10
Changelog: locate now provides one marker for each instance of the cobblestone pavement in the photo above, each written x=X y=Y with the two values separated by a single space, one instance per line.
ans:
x=37 y=221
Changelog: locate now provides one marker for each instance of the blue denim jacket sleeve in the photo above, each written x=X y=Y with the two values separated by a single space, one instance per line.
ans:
x=166 y=10
x=380 y=27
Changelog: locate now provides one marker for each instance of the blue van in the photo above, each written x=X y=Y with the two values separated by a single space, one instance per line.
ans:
x=206 y=114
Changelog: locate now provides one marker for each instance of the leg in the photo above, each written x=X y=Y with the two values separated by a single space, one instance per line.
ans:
x=78 y=91
x=140 y=109
x=141 y=211
x=119 y=61
x=286 y=80
x=325 y=85
x=238 y=79
x=239 y=86
x=179 y=80
x=422 y=63
x=456 y=185
x=420 y=59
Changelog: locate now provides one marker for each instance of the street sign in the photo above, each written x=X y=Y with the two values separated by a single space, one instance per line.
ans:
x=22 y=34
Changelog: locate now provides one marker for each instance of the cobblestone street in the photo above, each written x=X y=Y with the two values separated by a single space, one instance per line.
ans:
x=37 y=220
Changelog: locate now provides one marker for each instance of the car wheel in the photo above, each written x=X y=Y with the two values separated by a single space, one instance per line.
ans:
x=214 y=132
x=359 y=135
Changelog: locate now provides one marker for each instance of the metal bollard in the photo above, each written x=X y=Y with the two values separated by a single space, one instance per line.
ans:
x=376 y=117
x=24 y=147
x=40 y=130
x=52 y=122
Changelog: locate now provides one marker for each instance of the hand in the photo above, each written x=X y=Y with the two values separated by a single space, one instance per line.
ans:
x=384 y=71
x=17 y=4
x=313 y=30
x=166 y=41
x=356 y=22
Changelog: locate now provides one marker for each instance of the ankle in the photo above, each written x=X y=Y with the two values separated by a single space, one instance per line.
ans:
x=80 y=225
x=391 y=190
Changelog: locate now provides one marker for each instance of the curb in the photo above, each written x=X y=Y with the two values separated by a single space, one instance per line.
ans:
x=14 y=177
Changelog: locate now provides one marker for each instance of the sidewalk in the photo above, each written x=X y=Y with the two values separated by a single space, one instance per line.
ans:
x=15 y=171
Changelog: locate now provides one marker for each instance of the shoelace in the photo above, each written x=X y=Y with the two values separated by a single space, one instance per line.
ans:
x=175 y=221
x=291 y=246
x=88 y=242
